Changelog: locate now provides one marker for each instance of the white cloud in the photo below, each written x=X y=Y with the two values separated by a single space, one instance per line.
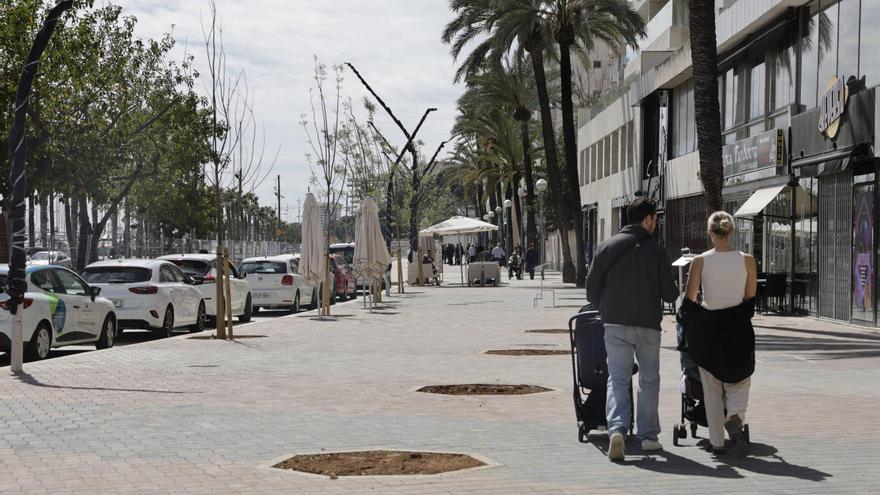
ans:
x=395 y=44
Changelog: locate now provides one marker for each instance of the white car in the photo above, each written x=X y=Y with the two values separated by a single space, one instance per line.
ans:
x=276 y=283
x=149 y=294
x=50 y=258
x=318 y=286
x=203 y=269
x=59 y=309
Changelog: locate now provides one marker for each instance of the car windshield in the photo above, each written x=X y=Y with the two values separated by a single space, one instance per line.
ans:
x=264 y=267
x=116 y=274
x=193 y=268
x=43 y=255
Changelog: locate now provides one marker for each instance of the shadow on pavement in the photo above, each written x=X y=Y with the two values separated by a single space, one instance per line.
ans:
x=763 y=459
x=30 y=380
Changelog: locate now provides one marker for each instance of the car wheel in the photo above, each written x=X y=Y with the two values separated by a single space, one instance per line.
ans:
x=108 y=334
x=40 y=343
x=295 y=308
x=255 y=310
x=199 y=325
x=167 y=328
x=315 y=302
x=248 y=310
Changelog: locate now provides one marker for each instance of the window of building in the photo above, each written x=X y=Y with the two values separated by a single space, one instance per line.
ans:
x=606 y=155
x=810 y=61
x=593 y=161
x=684 y=125
x=597 y=64
x=827 y=46
x=630 y=146
x=615 y=151
x=869 y=54
x=848 y=34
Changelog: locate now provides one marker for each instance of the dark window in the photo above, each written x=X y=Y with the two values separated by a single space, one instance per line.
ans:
x=46 y=281
x=684 y=125
x=116 y=275
x=597 y=64
x=263 y=267
x=193 y=268
x=810 y=60
x=166 y=275
x=72 y=284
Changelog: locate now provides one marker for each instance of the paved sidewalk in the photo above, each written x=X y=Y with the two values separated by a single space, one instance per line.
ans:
x=194 y=416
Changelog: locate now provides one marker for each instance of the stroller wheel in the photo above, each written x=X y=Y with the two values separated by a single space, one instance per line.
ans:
x=582 y=435
x=746 y=433
x=693 y=430
x=676 y=432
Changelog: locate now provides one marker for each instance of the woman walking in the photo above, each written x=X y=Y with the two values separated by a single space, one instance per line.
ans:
x=719 y=332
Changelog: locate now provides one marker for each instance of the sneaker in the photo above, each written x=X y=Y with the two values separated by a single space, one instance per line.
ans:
x=718 y=451
x=649 y=445
x=740 y=445
x=615 y=447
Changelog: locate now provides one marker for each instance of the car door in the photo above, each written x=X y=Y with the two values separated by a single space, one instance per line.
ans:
x=168 y=284
x=187 y=296
x=79 y=303
x=63 y=318
x=239 y=289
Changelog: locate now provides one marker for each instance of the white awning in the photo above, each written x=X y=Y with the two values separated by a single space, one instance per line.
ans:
x=758 y=201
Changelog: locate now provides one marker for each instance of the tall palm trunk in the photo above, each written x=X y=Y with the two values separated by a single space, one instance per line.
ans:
x=523 y=116
x=569 y=137
x=555 y=184
x=32 y=236
x=708 y=112
x=44 y=221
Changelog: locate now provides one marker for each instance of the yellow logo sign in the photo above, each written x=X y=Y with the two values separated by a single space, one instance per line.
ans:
x=833 y=106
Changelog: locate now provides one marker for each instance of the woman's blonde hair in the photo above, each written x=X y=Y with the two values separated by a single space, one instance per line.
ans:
x=721 y=223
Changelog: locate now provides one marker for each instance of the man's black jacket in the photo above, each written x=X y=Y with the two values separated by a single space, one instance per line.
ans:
x=631 y=274
x=723 y=341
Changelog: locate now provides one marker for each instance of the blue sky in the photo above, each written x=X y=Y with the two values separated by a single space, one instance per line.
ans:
x=395 y=44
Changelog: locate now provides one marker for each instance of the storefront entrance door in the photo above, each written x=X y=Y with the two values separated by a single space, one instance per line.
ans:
x=863 y=254
x=835 y=245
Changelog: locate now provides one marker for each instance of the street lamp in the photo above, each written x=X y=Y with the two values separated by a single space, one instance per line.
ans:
x=508 y=221
x=541 y=186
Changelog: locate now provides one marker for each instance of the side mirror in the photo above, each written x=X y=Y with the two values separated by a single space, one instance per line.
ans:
x=195 y=280
x=94 y=292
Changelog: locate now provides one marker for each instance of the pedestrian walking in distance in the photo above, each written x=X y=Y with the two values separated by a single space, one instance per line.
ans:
x=498 y=254
x=532 y=260
x=719 y=332
x=630 y=278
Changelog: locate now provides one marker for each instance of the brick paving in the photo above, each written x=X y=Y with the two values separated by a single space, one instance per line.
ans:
x=194 y=416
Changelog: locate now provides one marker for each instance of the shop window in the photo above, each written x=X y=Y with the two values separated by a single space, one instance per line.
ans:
x=827 y=46
x=783 y=61
x=757 y=83
x=807 y=237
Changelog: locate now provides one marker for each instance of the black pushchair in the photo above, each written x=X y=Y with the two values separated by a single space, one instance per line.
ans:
x=589 y=363
x=693 y=409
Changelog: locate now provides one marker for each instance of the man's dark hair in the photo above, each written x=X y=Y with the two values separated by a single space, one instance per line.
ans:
x=640 y=209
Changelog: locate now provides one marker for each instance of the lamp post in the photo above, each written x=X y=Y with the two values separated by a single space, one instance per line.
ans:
x=522 y=217
x=541 y=186
x=508 y=231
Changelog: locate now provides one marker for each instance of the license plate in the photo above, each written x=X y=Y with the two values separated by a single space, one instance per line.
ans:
x=262 y=295
x=118 y=302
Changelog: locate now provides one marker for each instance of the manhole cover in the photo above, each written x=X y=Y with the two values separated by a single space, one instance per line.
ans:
x=528 y=352
x=379 y=463
x=236 y=337
x=483 y=389
x=549 y=330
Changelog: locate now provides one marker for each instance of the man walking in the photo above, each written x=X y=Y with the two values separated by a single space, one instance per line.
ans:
x=532 y=260
x=498 y=254
x=630 y=277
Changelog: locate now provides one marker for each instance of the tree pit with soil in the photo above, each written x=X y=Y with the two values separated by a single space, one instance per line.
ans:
x=549 y=331
x=379 y=463
x=235 y=337
x=483 y=389
x=528 y=352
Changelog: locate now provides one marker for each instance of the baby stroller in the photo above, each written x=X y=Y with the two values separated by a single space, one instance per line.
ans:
x=514 y=267
x=589 y=364
x=693 y=409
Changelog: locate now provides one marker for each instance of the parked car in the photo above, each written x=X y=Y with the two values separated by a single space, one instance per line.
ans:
x=203 y=269
x=57 y=258
x=346 y=250
x=345 y=284
x=276 y=283
x=150 y=294
x=318 y=286
x=59 y=309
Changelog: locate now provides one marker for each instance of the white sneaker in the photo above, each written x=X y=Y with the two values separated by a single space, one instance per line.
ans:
x=615 y=447
x=649 y=445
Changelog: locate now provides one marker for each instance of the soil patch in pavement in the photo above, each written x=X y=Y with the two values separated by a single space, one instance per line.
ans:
x=235 y=337
x=528 y=352
x=483 y=389
x=549 y=330
x=378 y=463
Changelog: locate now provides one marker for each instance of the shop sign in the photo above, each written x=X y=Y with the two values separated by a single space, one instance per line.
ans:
x=833 y=106
x=766 y=150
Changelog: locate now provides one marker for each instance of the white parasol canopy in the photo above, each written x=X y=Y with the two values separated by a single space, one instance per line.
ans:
x=311 y=265
x=371 y=256
x=459 y=225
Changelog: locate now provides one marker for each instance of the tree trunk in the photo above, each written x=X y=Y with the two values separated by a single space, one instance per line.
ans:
x=569 y=137
x=555 y=184
x=708 y=112
x=85 y=228
x=69 y=221
x=517 y=211
x=32 y=237
x=114 y=231
x=493 y=202
x=126 y=230
x=414 y=207
x=52 y=221
x=44 y=221
x=531 y=225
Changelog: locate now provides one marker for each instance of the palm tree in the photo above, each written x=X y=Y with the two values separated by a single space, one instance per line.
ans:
x=701 y=20
x=513 y=25
x=577 y=25
x=512 y=85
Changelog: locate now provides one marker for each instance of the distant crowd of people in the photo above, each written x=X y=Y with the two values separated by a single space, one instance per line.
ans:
x=517 y=263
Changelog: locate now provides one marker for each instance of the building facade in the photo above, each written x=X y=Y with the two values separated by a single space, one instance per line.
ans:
x=796 y=90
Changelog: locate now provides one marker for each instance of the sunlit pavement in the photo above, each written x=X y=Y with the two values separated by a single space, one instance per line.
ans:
x=204 y=416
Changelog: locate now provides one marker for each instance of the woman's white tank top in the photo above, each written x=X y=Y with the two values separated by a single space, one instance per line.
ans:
x=724 y=279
